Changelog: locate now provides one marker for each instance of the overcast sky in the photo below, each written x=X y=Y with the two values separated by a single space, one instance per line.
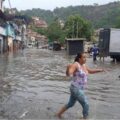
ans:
x=51 y=4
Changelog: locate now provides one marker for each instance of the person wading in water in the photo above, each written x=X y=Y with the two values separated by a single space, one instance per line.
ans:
x=78 y=71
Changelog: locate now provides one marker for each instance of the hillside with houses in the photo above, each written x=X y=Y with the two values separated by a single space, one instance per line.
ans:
x=16 y=32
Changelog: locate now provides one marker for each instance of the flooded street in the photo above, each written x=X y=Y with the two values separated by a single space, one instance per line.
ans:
x=33 y=85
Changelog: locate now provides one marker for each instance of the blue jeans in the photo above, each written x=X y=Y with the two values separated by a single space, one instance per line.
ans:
x=78 y=95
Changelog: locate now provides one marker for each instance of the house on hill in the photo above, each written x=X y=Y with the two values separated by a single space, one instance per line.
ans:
x=39 y=23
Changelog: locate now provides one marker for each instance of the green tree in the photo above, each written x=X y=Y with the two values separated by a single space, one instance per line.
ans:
x=41 y=31
x=117 y=24
x=77 y=27
x=55 y=32
x=101 y=16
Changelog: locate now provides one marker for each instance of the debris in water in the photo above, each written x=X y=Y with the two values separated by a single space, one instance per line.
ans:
x=24 y=114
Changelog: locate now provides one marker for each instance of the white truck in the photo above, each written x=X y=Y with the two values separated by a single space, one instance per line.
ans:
x=109 y=43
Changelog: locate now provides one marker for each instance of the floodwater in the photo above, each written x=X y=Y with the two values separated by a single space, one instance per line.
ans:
x=33 y=85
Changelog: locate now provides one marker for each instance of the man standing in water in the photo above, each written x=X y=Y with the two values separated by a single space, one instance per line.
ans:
x=95 y=52
x=79 y=71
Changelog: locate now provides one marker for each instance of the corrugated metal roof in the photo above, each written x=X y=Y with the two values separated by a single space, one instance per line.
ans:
x=75 y=39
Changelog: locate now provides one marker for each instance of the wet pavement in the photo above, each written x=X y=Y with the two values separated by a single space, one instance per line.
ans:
x=33 y=85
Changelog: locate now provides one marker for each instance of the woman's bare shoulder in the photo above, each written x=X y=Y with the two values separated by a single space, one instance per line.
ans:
x=72 y=65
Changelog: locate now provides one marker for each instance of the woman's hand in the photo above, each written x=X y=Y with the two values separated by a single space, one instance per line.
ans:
x=106 y=70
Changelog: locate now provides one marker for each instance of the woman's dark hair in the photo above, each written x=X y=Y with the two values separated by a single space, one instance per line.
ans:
x=78 y=56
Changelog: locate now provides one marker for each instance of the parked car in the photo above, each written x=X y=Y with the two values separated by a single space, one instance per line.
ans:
x=29 y=45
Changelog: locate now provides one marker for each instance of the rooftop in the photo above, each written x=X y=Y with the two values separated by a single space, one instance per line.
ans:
x=75 y=39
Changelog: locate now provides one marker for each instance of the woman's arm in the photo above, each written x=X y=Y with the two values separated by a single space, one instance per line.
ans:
x=92 y=71
x=71 y=69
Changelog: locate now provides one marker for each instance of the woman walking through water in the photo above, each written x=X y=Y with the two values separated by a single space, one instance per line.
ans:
x=78 y=71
